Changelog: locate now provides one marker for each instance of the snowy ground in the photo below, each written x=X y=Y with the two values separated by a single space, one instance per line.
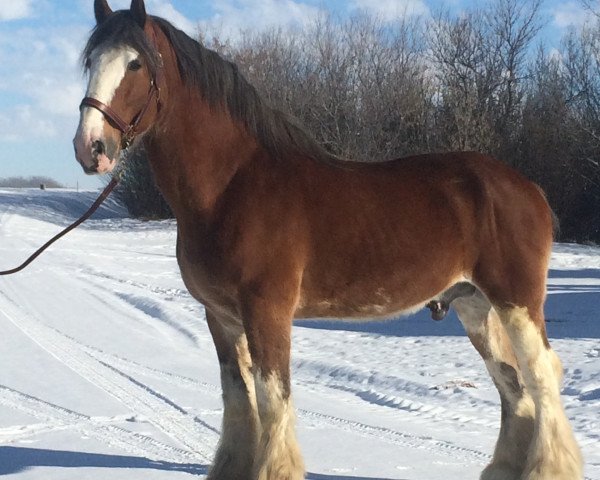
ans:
x=108 y=371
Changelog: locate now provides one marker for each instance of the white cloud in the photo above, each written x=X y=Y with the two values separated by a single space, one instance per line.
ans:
x=167 y=11
x=15 y=9
x=48 y=85
x=23 y=122
x=570 y=14
x=234 y=16
x=392 y=9
x=56 y=96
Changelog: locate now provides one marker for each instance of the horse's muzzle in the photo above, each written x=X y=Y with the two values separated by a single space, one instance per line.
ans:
x=96 y=157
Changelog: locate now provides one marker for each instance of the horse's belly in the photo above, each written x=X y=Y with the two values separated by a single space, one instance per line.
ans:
x=380 y=281
x=361 y=312
x=372 y=299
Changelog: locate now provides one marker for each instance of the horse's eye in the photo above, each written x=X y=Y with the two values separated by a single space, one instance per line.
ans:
x=134 y=65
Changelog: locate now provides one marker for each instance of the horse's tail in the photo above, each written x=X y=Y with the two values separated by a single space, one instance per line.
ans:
x=555 y=219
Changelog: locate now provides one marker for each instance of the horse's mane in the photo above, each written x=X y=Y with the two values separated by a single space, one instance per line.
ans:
x=220 y=83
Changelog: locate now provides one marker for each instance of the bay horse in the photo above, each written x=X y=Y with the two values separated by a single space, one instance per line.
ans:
x=271 y=227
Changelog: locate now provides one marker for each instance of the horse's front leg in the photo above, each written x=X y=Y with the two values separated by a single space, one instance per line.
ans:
x=241 y=427
x=268 y=323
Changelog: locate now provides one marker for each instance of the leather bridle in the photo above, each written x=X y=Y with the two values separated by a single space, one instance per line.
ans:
x=129 y=130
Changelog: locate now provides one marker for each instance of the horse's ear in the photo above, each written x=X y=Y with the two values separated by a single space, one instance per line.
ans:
x=101 y=10
x=138 y=10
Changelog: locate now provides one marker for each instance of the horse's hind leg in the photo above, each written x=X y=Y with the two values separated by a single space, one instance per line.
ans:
x=238 y=444
x=517 y=410
x=554 y=453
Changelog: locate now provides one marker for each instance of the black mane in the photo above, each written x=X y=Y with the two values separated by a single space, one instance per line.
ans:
x=219 y=81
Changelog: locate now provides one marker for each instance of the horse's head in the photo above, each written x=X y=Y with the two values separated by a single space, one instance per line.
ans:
x=122 y=99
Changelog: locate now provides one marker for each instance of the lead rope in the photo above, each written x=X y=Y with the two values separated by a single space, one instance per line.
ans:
x=105 y=193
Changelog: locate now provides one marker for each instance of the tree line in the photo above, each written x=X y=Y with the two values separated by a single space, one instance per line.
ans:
x=371 y=90
x=29 y=182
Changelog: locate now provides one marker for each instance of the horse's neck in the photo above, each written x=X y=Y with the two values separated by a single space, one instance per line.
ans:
x=195 y=152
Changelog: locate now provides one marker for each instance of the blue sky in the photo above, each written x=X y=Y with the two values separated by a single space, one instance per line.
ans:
x=41 y=83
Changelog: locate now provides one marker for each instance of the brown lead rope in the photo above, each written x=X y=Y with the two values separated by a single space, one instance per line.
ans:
x=105 y=193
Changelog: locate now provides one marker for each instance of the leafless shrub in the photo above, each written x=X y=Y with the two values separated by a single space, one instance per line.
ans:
x=358 y=84
x=479 y=63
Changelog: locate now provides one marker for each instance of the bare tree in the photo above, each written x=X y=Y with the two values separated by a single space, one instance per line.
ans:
x=359 y=84
x=591 y=6
x=514 y=24
x=479 y=61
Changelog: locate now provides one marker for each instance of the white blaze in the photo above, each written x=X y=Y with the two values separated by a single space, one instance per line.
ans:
x=106 y=73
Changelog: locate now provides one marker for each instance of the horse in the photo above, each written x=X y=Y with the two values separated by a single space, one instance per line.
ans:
x=271 y=227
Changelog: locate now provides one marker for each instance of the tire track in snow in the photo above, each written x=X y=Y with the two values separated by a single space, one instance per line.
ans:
x=59 y=418
x=416 y=407
x=165 y=415
x=319 y=419
x=135 y=368
x=403 y=439
x=151 y=306
x=388 y=391
x=398 y=438
x=101 y=277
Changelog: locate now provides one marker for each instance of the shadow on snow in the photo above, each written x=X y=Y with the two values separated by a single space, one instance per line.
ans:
x=18 y=459
x=58 y=206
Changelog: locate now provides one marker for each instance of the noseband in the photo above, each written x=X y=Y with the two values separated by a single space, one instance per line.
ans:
x=129 y=130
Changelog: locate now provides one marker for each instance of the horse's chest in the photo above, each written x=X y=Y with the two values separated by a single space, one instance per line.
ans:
x=204 y=277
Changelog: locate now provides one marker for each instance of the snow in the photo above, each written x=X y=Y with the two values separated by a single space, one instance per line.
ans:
x=108 y=370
